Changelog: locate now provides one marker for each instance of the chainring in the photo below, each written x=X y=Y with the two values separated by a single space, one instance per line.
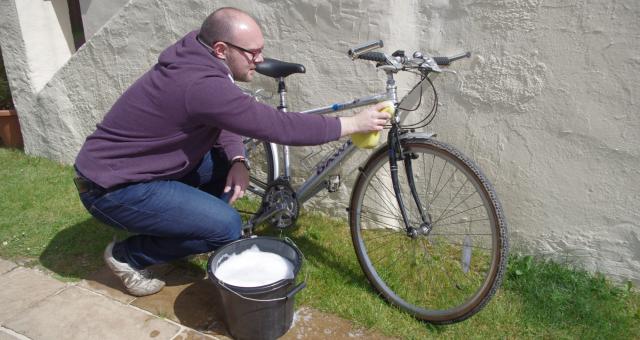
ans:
x=279 y=195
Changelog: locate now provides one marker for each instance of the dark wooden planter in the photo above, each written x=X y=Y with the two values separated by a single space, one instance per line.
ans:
x=10 y=129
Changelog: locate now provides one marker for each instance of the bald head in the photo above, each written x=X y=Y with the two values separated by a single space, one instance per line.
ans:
x=224 y=24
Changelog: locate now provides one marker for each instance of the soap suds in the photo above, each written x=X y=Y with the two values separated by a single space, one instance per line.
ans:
x=253 y=268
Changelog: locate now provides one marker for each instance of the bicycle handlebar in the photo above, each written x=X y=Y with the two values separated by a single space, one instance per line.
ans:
x=382 y=58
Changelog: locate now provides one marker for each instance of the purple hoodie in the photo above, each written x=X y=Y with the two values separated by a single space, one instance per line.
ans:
x=164 y=124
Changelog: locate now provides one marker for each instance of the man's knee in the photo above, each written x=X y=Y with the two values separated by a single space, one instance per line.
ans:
x=234 y=227
x=227 y=228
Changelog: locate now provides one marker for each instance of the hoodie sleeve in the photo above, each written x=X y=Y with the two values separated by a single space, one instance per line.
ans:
x=231 y=143
x=218 y=102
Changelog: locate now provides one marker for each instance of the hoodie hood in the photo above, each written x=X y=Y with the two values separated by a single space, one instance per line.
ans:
x=189 y=51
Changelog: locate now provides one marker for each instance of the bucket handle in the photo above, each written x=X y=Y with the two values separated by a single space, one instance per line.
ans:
x=289 y=295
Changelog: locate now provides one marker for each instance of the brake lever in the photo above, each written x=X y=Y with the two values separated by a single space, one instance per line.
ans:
x=393 y=64
x=431 y=64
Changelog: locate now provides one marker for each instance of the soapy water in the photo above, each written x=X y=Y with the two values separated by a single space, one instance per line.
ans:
x=253 y=268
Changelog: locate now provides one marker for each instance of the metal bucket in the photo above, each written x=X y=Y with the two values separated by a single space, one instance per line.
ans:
x=263 y=312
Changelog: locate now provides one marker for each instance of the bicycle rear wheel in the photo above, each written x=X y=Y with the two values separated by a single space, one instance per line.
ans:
x=262 y=162
x=445 y=274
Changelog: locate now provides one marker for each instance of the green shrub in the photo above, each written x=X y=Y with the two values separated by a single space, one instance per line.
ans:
x=6 y=102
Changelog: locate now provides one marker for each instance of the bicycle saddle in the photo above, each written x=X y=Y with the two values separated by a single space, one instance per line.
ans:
x=275 y=68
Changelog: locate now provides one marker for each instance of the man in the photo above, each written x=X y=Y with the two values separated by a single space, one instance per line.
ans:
x=168 y=155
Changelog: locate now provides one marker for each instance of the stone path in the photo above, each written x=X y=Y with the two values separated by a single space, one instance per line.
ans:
x=34 y=305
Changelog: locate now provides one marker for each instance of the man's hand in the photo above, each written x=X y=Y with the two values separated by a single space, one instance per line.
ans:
x=367 y=120
x=238 y=180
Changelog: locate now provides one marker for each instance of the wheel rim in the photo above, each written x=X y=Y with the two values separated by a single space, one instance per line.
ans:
x=442 y=274
x=261 y=174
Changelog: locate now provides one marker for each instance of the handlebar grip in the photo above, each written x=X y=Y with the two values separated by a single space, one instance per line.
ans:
x=449 y=60
x=364 y=48
x=442 y=60
x=373 y=56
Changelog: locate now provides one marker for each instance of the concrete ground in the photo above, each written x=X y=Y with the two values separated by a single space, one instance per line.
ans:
x=34 y=305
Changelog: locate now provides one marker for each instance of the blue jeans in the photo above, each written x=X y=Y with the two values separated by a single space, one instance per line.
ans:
x=171 y=218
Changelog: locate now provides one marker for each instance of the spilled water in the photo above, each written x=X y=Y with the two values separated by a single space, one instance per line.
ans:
x=253 y=268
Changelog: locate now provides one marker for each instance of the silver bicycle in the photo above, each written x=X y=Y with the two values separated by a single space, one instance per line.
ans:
x=426 y=224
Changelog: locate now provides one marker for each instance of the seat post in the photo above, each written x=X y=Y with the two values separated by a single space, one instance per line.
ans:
x=282 y=90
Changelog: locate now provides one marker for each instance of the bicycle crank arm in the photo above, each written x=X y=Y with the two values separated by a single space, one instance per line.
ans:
x=261 y=217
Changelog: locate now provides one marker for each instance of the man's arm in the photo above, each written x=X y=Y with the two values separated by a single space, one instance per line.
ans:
x=231 y=143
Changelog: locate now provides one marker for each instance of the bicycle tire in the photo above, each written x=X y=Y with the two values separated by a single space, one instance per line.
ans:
x=262 y=161
x=457 y=267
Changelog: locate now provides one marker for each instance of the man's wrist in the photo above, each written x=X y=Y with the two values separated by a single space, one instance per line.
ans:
x=346 y=126
x=242 y=160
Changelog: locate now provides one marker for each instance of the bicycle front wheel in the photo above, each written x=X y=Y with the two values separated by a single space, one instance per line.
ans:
x=262 y=160
x=450 y=262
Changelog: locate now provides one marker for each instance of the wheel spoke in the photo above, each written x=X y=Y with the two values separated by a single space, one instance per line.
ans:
x=456 y=214
x=461 y=222
x=444 y=211
x=262 y=172
x=383 y=223
x=382 y=198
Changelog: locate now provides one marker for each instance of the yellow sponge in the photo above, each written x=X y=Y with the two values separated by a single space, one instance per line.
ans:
x=369 y=140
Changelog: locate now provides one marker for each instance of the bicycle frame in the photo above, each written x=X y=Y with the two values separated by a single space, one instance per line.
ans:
x=312 y=185
x=317 y=181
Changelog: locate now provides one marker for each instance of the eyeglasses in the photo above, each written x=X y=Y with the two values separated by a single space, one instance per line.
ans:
x=254 y=53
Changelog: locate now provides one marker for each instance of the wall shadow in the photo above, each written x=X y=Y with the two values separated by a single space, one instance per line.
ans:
x=75 y=252
x=199 y=306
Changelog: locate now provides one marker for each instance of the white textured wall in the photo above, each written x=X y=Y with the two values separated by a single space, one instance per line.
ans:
x=547 y=105
x=95 y=13
x=46 y=32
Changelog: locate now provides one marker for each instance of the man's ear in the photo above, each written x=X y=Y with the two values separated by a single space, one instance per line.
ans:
x=220 y=50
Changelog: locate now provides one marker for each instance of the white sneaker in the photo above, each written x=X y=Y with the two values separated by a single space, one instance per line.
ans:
x=137 y=282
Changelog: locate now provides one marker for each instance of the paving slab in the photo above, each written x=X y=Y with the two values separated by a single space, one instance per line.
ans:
x=190 y=334
x=312 y=324
x=21 y=288
x=6 y=266
x=106 y=283
x=189 y=299
x=6 y=335
x=81 y=314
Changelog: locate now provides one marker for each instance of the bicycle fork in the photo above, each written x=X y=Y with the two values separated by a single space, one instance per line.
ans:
x=397 y=153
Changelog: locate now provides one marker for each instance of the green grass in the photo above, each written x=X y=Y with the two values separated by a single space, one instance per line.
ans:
x=43 y=223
